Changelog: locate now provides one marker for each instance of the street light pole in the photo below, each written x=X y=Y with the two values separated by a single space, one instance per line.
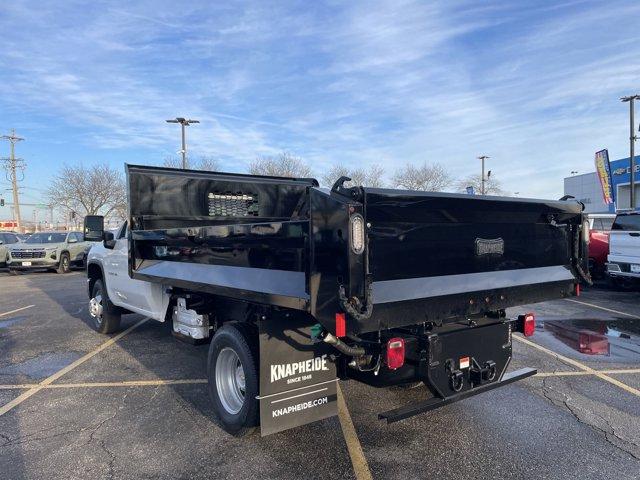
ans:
x=632 y=140
x=483 y=158
x=183 y=123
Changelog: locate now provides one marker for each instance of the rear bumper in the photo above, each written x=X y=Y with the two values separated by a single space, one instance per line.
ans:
x=410 y=410
x=621 y=269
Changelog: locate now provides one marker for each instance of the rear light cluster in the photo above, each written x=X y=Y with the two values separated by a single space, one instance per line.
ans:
x=526 y=324
x=395 y=353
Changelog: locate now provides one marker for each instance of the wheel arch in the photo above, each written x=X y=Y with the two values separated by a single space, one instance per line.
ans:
x=94 y=273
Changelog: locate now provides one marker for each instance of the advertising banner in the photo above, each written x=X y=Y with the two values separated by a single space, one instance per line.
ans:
x=603 y=169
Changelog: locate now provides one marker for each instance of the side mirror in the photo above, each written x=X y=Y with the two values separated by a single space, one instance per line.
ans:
x=72 y=240
x=1 y=242
x=93 y=228
x=109 y=240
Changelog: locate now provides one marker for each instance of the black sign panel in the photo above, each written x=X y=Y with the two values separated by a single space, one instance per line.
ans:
x=297 y=376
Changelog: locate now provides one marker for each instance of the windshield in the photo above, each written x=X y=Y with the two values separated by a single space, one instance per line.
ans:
x=46 y=238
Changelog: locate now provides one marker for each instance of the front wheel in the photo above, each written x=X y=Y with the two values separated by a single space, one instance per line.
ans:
x=233 y=380
x=106 y=318
x=65 y=262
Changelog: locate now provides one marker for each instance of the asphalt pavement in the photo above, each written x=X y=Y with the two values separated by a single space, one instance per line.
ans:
x=77 y=404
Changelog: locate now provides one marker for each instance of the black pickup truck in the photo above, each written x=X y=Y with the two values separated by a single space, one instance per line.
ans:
x=298 y=286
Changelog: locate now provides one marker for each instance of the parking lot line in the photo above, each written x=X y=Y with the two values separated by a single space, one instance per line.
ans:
x=358 y=460
x=603 y=308
x=129 y=383
x=16 y=310
x=581 y=366
x=52 y=378
x=197 y=381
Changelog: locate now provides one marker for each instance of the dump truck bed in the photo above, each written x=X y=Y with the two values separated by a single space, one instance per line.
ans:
x=287 y=242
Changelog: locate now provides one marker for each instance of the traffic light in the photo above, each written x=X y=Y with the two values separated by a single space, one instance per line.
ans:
x=1 y=202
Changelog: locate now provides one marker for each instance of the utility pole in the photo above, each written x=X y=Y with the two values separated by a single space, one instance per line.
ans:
x=632 y=143
x=483 y=158
x=12 y=164
x=183 y=123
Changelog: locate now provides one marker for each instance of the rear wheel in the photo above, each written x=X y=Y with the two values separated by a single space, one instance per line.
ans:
x=106 y=318
x=63 y=266
x=233 y=379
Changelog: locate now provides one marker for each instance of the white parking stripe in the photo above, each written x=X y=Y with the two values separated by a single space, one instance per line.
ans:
x=618 y=312
x=21 y=398
x=581 y=366
x=16 y=310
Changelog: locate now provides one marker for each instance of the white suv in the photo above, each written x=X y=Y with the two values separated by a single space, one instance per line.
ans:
x=624 y=248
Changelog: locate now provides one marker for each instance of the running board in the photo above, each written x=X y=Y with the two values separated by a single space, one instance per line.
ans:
x=407 y=411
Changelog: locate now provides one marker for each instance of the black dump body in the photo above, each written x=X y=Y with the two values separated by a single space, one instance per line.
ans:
x=281 y=242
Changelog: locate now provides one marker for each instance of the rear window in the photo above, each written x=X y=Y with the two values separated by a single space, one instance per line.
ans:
x=627 y=223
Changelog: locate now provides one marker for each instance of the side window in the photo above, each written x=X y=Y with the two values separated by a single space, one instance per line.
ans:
x=78 y=236
x=11 y=238
x=2 y=238
x=597 y=224
x=123 y=231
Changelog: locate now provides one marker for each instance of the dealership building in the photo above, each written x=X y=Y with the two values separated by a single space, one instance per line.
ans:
x=586 y=187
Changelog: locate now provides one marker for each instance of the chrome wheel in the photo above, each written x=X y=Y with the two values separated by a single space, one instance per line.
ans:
x=230 y=381
x=95 y=308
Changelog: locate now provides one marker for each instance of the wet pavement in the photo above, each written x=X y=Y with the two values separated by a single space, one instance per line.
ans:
x=564 y=423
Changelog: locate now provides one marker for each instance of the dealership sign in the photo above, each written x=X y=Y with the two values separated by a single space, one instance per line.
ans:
x=603 y=169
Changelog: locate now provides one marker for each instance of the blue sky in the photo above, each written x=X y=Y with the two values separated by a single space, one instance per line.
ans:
x=535 y=85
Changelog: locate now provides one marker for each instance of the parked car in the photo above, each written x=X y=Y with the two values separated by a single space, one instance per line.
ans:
x=599 y=228
x=624 y=250
x=51 y=250
x=6 y=239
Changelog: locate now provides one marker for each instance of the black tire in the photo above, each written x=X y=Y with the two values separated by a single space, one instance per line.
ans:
x=65 y=263
x=238 y=339
x=108 y=321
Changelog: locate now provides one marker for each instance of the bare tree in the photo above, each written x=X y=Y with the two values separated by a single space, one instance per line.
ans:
x=372 y=176
x=283 y=165
x=431 y=178
x=204 y=162
x=97 y=190
x=491 y=185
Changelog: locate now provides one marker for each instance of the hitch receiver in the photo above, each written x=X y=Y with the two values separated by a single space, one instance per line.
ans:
x=410 y=410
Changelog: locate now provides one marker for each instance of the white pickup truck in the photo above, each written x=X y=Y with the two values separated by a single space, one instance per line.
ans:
x=113 y=292
x=623 y=264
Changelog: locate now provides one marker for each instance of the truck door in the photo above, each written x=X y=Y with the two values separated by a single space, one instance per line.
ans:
x=136 y=295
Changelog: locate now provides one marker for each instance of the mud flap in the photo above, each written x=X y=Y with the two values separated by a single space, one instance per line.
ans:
x=298 y=383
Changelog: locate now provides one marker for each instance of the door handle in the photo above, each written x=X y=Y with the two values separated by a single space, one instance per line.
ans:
x=635 y=234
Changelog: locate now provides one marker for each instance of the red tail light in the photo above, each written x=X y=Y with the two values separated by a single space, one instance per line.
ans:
x=529 y=327
x=341 y=325
x=577 y=289
x=395 y=353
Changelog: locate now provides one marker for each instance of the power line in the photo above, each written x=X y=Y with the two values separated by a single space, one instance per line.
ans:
x=12 y=165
